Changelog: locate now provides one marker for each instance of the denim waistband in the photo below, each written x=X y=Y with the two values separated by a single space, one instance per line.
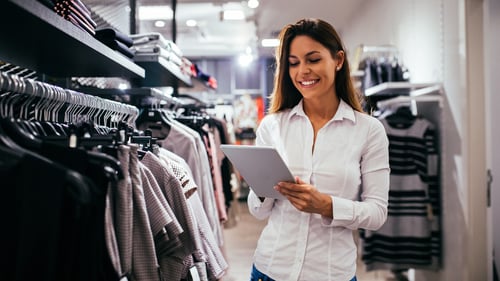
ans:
x=256 y=275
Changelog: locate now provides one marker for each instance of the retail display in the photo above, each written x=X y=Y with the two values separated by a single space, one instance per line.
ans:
x=109 y=202
x=411 y=237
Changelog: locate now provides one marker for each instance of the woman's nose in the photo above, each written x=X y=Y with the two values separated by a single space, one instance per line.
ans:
x=304 y=69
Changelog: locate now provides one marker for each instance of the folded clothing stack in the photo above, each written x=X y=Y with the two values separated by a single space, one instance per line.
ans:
x=116 y=40
x=77 y=13
x=153 y=43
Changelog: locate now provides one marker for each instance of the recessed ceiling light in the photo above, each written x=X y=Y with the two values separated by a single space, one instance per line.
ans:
x=245 y=60
x=191 y=23
x=253 y=4
x=233 y=15
x=155 y=13
x=269 y=42
x=159 y=23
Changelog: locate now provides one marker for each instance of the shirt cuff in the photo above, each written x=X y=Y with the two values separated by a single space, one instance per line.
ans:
x=343 y=209
x=255 y=202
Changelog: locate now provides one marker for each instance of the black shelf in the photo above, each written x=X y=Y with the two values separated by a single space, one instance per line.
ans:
x=35 y=37
x=161 y=72
x=198 y=86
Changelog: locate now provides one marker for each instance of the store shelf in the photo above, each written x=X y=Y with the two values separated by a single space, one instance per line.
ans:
x=396 y=88
x=161 y=72
x=35 y=37
x=408 y=99
x=198 y=86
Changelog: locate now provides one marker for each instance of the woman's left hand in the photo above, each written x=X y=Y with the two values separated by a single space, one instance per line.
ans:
x=306 y=198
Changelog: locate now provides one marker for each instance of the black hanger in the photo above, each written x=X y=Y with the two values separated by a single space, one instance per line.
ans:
x=18 y=133
x=13 y=153
x=110 y=164
x=403 y=117
x=8 y=142
x=156 y=121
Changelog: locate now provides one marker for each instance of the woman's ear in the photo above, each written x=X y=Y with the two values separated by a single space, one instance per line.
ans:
x=340 y=57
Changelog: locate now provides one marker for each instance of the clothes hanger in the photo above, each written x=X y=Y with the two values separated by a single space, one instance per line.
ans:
x=15 y=153
x=156 y=121
x=403 y=117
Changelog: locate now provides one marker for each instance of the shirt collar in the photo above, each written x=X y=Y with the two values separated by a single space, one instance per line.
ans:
x=344 y=111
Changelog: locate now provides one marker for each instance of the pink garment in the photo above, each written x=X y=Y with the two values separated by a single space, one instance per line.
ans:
x=211 y=146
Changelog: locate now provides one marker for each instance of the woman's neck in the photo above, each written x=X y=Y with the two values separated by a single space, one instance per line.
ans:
x=321 y=109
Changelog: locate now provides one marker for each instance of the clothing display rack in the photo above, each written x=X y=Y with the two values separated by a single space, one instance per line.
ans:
x=411 y=114
x=103 y=199
x=34 y=100
x=372 y=51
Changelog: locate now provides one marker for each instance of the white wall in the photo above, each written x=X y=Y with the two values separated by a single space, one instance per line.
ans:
x=413 y=26
x=492 y=57
x=430 y=35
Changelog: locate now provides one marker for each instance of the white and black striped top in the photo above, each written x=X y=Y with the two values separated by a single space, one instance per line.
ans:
x=411 y=237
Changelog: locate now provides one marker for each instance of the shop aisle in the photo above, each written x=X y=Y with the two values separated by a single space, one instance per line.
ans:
x=240 y=238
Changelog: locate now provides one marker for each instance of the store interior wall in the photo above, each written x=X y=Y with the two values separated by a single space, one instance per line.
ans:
x=414 y=27
x=492 y=57
x=455 y=205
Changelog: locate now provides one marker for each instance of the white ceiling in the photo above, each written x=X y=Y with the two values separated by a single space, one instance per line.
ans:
x=213 y=37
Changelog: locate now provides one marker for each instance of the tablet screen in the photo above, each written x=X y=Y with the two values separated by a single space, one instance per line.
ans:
x=260 y=166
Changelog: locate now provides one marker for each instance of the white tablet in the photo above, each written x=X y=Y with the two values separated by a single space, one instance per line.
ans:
x=261 y=167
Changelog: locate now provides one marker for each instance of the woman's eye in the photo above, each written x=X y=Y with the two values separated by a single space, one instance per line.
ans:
x=314 y=60
x=293 y=63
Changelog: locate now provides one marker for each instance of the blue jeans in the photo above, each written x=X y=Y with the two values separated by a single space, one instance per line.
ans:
x=256 y=275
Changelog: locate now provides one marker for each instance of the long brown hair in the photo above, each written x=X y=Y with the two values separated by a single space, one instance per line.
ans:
x=285 y=95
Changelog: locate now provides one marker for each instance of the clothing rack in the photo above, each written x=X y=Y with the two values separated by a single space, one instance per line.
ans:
x=34 y=100
x=379 y=49
x=363 y=51
x=412 y=117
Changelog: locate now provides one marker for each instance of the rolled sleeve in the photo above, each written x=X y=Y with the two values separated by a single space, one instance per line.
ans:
x=259 y=209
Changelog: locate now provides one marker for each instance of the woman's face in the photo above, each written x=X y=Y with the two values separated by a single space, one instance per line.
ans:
x=312 y=68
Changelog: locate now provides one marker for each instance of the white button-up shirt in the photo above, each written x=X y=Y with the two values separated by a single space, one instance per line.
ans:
x=350 y=162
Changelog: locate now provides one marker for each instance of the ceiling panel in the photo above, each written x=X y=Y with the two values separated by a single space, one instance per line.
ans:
x=213 y=37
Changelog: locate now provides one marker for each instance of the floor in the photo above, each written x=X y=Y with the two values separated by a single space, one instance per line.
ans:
x=240 y=235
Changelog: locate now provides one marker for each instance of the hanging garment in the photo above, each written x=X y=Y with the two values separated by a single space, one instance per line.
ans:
x=187 y=143
x=55 y=217
x=208 y=258
x=411 y=237
x=144 y=260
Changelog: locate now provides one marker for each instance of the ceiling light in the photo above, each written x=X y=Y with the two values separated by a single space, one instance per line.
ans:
x=270 y=42
x=253 y=4
x=155 y=13
x=191 y=23
x=159 y=23
x=245 y=59
x=233 y=15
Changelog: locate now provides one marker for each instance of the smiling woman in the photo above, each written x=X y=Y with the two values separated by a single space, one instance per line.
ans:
x=335 y=152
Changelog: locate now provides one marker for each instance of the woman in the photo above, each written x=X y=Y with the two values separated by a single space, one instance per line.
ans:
x=338 y=154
